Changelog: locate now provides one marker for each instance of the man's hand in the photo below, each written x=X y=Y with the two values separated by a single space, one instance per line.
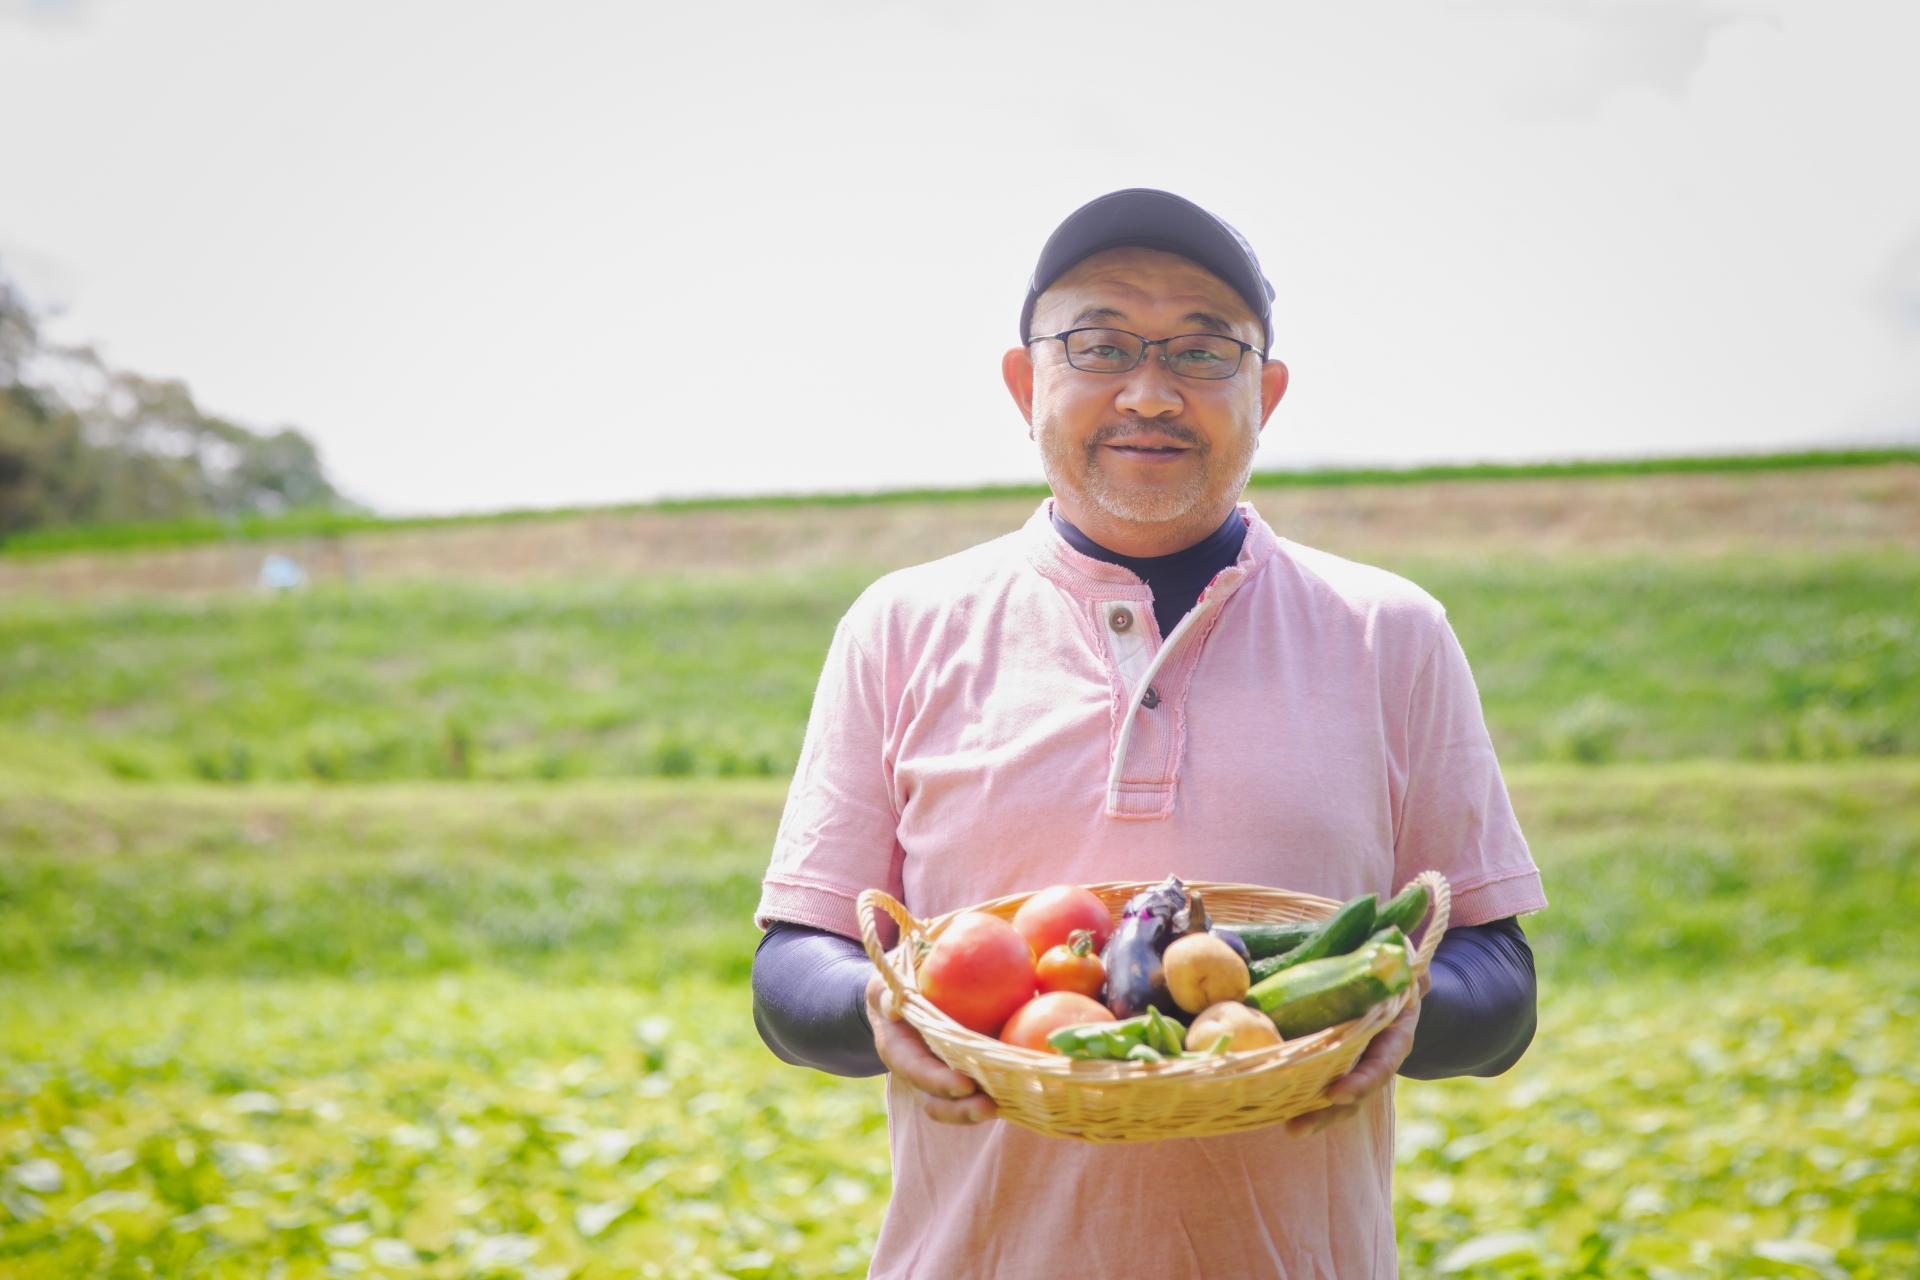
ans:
x=1372 y=1073
x=945 y=1094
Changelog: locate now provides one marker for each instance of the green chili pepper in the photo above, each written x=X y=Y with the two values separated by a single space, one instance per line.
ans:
x=1101 y=1040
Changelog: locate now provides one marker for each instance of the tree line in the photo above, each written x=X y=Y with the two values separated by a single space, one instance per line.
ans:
x=83 y=443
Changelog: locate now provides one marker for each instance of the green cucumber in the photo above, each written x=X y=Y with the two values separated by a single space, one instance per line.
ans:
x=1264 y=940
x=1389 y=936
x=1338 y=934
x=1406 y=909
x=1319 y=994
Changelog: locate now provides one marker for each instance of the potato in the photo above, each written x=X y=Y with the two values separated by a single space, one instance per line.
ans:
x=1250 y=1028
x=1202 y=971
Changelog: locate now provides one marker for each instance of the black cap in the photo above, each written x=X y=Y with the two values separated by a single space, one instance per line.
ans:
x=1149 y=219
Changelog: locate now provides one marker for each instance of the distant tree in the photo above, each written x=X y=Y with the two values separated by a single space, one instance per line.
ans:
x=81 y=443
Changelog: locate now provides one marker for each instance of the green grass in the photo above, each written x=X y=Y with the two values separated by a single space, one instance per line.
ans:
x=267 y=1027
x=317 y=1027
x=216 y=1128
x=457 y=976
x=1597 y=660
x=310 y=1128
x=390 y=682
x=329 y=523
x=1675 y=869
x=1772 y=658
x=583 y=882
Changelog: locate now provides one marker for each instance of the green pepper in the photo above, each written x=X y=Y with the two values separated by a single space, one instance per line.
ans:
x=1163 y=1034
x=1101 y=1040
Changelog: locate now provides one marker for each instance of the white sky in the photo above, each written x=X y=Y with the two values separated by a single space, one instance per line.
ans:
x=472 y=247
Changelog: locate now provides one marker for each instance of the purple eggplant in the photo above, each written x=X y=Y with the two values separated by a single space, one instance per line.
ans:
x=1233 y=940
x=1135 y=977
x=1196 y=920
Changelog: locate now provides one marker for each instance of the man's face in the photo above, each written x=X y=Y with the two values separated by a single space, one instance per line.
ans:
x=1147 y=453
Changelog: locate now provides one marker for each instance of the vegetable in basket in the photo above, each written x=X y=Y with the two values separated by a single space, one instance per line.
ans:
x=1337 y=935
x=1405 y=910
x=1072 y=966
x=978 y=972
x=1049 y=918
x=1241 y=1026
x=1202 y=971
x=1264 y=941
x=1118 y=1040
x=1319 y=994
x=1198 y=921
x=1046 y=1013
x=1135 y=978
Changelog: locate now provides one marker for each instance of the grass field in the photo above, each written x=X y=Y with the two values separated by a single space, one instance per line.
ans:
x=401 y=929
x=502 y=1030
x=1598 y=660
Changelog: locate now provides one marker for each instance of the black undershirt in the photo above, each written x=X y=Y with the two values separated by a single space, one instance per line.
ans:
x=809 y=985
x=1176 y=580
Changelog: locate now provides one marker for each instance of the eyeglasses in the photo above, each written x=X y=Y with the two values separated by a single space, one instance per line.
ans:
x=1191 y=355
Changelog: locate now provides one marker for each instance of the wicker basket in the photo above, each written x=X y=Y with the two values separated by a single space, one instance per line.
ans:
x=1143 y=1102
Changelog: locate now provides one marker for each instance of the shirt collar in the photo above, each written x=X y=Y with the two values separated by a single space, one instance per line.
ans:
x=1083 y=576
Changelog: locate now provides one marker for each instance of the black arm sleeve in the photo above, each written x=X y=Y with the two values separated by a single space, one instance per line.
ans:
x=1479 y=1016
x=810 y=1000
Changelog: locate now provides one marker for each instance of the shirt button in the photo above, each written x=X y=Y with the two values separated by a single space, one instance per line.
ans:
x=1151 y=698
x=1120 y=619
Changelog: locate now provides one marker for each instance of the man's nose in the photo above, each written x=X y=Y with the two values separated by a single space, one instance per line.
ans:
x=1150 y=389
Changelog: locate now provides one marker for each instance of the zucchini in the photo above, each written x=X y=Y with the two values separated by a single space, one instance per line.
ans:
x=1264 y=940
x=1338 y=934
x=1319 y=994
x=1261 y=970
x=1406 y=909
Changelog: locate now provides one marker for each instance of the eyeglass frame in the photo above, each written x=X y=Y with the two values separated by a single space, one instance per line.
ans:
x=1146 y=345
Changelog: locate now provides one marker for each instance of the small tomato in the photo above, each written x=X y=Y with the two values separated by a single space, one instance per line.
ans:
x=1072 y=966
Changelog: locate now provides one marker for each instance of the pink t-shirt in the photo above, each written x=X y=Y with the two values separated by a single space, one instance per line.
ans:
x=1313 y=727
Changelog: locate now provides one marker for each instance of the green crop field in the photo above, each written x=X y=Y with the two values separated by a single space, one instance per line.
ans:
x=1753 y=658
x=401 y=930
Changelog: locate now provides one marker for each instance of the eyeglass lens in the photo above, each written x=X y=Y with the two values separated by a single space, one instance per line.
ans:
x=1192 y=355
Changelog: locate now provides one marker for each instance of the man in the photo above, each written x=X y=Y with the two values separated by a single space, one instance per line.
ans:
x=1143 y=680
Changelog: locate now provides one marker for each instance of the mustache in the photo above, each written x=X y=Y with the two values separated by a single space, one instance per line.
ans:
x=1172 y=430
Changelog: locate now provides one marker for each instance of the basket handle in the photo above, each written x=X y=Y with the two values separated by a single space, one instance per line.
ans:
x=871 y=902
x=1439 y=911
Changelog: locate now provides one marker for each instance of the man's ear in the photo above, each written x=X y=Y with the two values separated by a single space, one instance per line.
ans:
x=1016 y=370
x=1273 y=385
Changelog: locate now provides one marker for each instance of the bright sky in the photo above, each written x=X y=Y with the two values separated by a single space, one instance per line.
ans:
x=514 y=254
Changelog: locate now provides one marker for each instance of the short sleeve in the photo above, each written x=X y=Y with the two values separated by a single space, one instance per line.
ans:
x=1455 y=817
x=838 y=833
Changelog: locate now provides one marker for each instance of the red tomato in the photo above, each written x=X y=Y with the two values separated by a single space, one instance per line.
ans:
x=1049 y=917
x=979 y=972
x=1072 y=967
x=1045 y=1014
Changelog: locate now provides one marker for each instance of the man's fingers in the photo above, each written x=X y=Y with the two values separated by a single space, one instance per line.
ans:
x=1380 y=1060
x=945 y=1094
x=972 y=1110
x=907 y=1056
